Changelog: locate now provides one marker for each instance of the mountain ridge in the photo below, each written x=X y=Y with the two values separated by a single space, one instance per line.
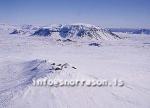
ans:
x=68 y=31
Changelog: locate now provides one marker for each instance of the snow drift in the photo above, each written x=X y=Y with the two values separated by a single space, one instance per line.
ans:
x=18 y=77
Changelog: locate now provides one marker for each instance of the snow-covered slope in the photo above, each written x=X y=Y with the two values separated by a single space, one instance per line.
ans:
x=23 y=58
x=17 y=77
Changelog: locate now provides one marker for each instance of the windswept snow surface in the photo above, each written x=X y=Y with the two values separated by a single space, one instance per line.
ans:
x=23 y=58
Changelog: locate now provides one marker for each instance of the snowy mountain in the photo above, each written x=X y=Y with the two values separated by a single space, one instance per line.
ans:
x=141 y=31
x=72 y=31
x=7 y=27
x=77 y=31
x=24 y=29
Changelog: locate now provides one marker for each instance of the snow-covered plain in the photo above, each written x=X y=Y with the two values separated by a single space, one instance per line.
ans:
x=127 y=59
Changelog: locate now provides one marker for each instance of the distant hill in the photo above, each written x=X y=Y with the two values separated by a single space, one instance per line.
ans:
x=130 y=31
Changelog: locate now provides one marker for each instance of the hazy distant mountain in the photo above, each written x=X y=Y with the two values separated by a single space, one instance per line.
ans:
x=131 y=31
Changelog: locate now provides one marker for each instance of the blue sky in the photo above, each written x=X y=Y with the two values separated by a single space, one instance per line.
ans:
x=106 y=13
